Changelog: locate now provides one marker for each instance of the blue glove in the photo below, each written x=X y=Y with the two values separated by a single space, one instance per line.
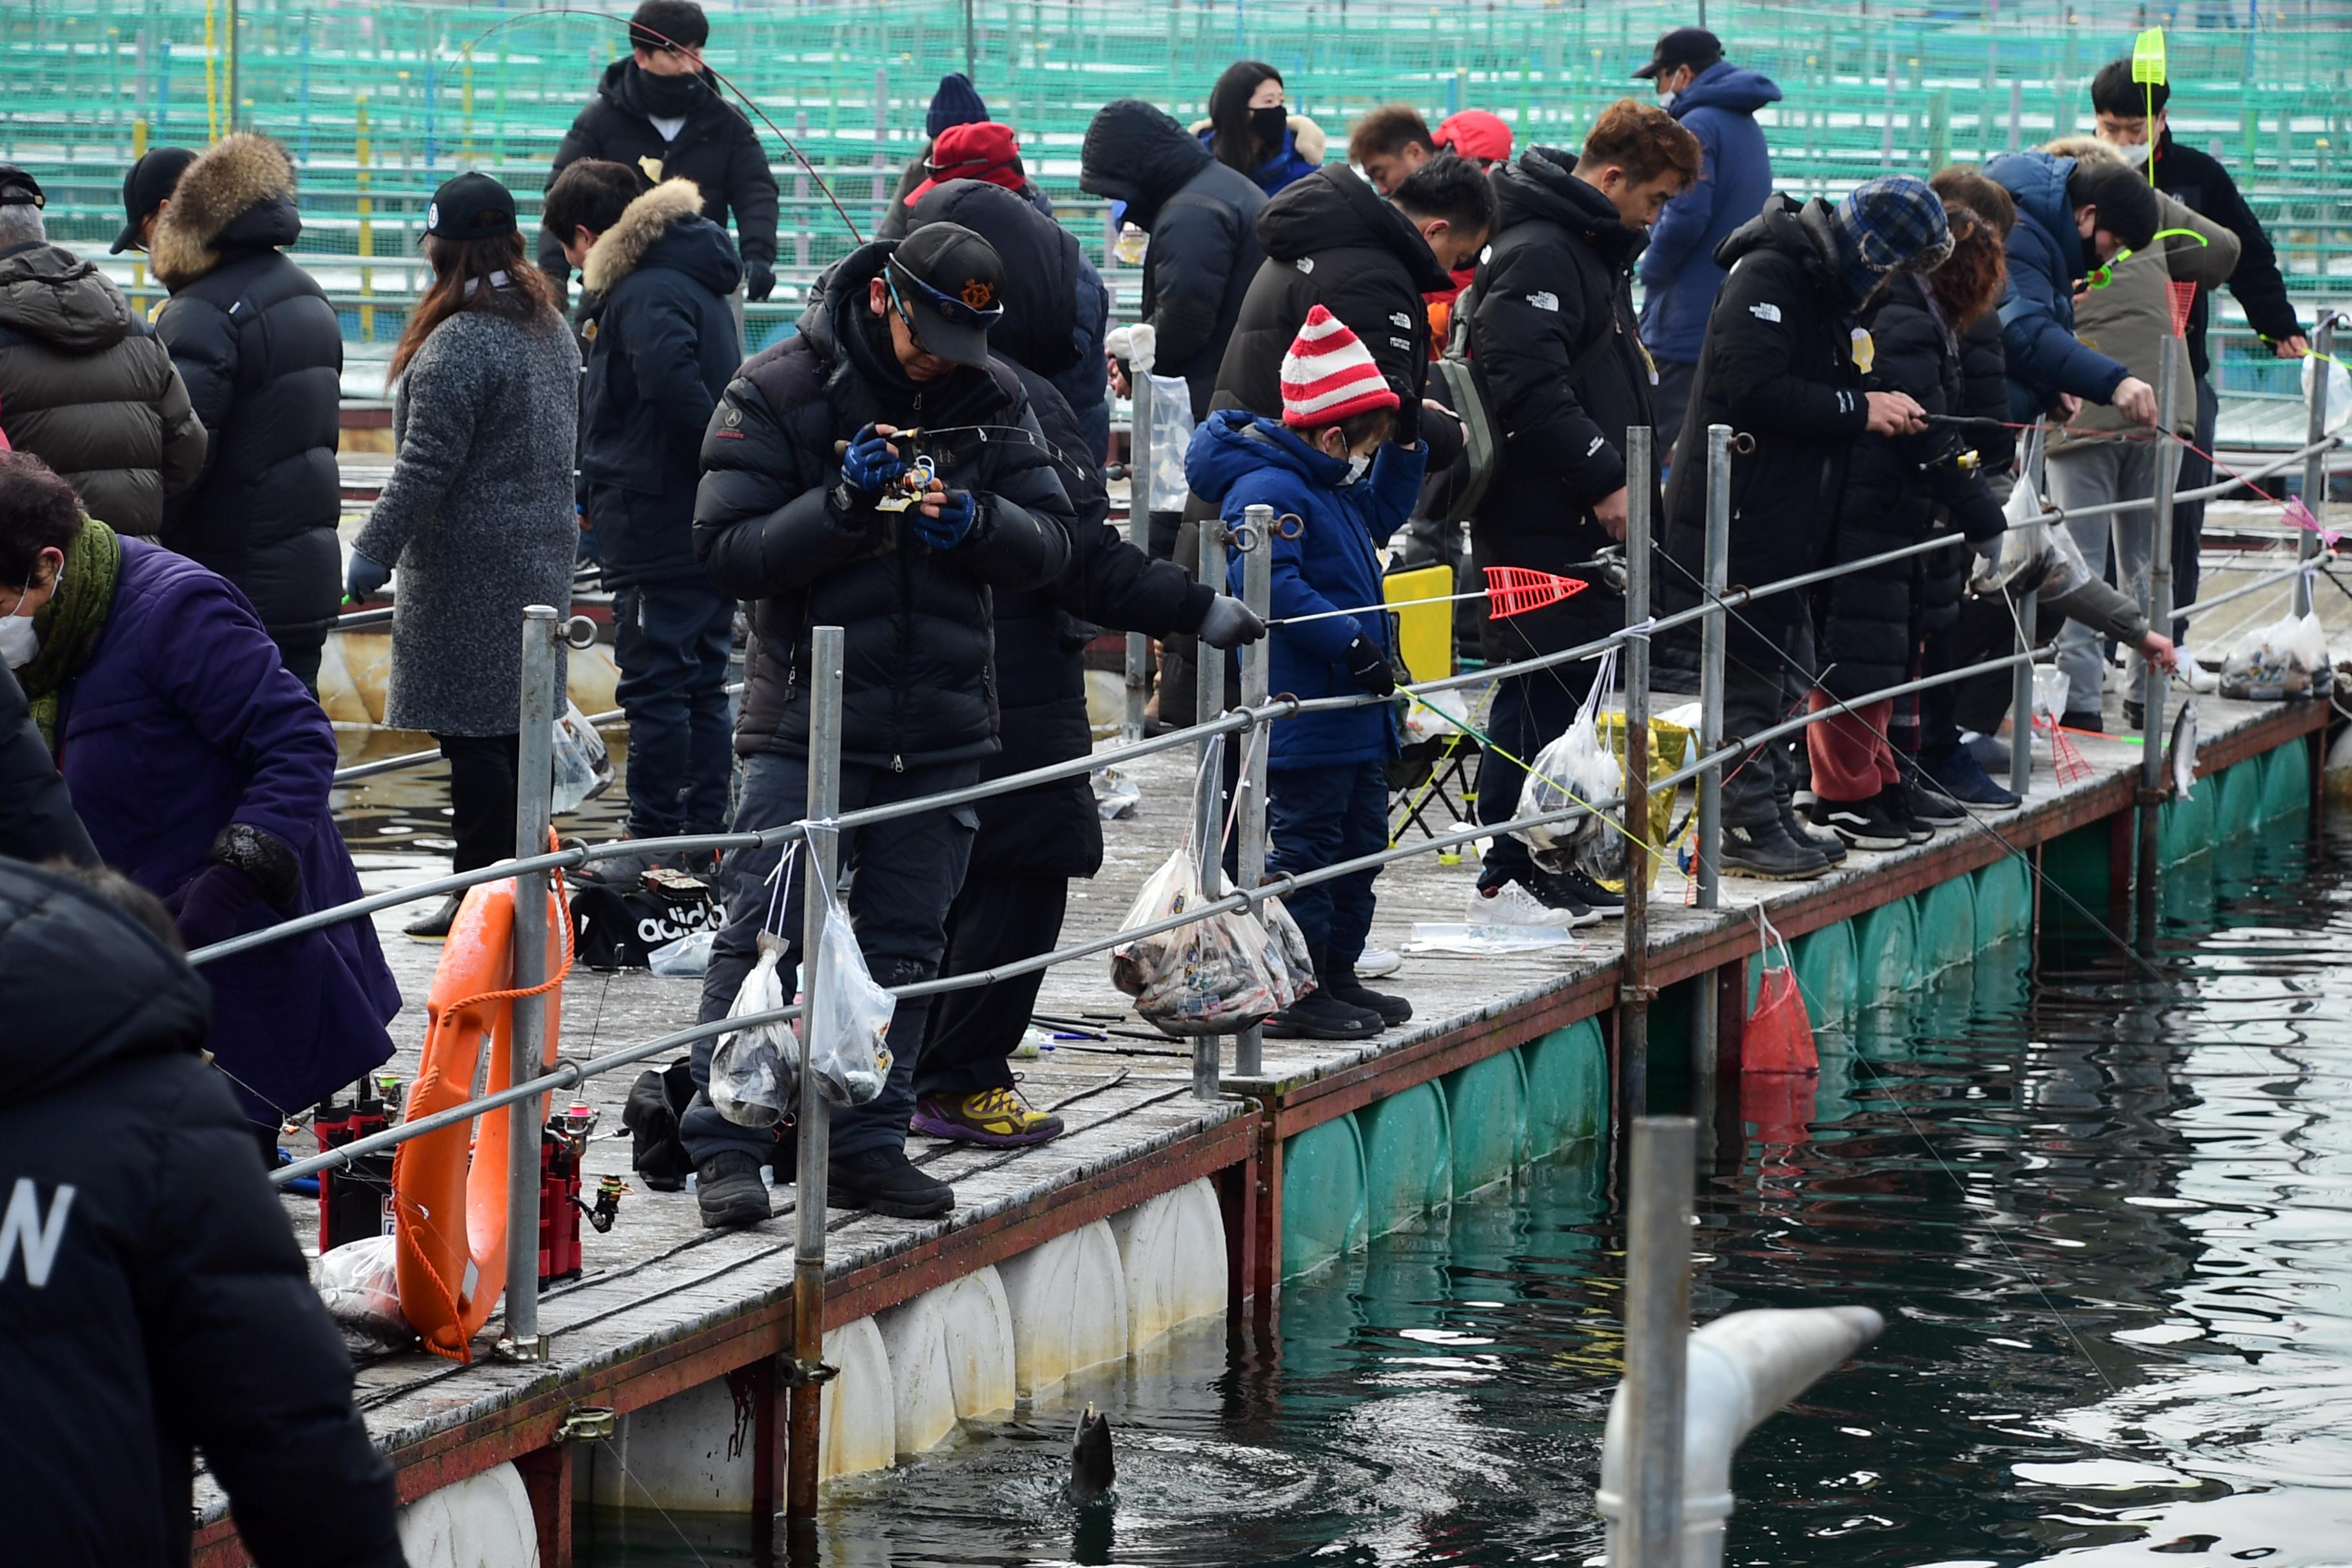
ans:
x=959 y=509
x=366 y=578
x=869 y=465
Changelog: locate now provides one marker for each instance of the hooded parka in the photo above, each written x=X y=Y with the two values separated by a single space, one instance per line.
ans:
x=2037 y=314
x=1679 y=275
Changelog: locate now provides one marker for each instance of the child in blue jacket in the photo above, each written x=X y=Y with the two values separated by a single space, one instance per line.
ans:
x=1329 y=463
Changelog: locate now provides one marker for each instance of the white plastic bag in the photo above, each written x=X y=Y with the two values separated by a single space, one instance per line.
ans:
x=584 y=769
x=1116 y=794
x=1572 y=772
x=1290 y=942
x=2339 y=390
x=753 y=1070
x=685 y=958
x=2052 y=690
x=1206 y=978
x=2286 y=658
x=848 y=1016
x=360 y=1284
x=1170 y=400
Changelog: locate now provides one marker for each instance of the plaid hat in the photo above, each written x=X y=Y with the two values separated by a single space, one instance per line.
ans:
x=949 y=283
x=1328 y=375
x=1892 y=223
x=1477 y=136
x=146 y=188
x=983 y=149
x=471 y=206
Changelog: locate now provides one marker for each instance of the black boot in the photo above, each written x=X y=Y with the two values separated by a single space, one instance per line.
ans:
x=728 y=1190
x=1339 y=982
x=885 y=1181
x=1325 y=1015
x=434 y=927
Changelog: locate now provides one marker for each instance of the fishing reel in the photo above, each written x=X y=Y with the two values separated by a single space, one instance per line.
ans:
x=610 y=1190
x=904 y=492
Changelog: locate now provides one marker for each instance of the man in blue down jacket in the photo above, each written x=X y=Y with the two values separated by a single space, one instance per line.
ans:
x=1716 y=102
x=2070 y=217
x=797 y=464
x=661 y=348
x=151 y=1297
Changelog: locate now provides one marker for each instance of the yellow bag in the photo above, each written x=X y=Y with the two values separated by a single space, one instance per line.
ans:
x=1670 y=746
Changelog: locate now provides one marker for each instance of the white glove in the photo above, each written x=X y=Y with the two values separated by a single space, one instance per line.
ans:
x=1143 y=345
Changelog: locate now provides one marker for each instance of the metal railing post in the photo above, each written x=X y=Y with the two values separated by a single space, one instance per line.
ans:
x=1633 y=991
x=816 y=1123
x=1257 y=659
x=1139 y=533
x=2028 y=608
x=1708 y=864
x=2314 y=467
x=1208 y=827
x=2159 y=618
x=534 y=803
x=1657 y=1335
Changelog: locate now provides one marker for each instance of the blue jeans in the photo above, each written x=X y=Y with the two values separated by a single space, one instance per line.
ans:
x=1318 y=817
x=907 y=873
x=672 y=640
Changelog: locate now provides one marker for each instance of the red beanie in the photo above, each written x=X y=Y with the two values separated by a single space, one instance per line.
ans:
x=984 y=150
x=1328 y=375
x=1475 y=134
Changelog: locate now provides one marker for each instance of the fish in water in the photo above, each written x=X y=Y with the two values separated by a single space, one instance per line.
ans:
x=1092 y=1467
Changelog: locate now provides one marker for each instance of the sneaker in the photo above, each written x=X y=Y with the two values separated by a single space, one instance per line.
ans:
x=728 y=1189
x=1893 y=804
x=1861 y=824
x=1320 y=1015
x=434 y=927
x=1511 y=903
x=1932 y=806
x=1831 y=847
x=1374 y=962
x=1766 y=851
x=1565 y=888
x=1990 y=752
x=1336 y=978
x=1961 y=777
x=884 y=1180
x=2202 y=680
x=999 y=1118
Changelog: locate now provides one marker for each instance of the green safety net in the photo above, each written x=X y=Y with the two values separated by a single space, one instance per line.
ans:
x=378 y=101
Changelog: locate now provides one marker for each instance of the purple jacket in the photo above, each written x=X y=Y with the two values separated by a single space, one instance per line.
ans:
x=183 y=721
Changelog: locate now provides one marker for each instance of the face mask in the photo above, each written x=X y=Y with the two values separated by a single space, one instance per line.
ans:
x=1358 y=465
x=19 y=643
x=1666 y=98
x=1268 y=124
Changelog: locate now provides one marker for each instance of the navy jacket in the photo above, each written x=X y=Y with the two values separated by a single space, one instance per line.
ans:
x=1241 y=460
x=1678 y=271
x=1286 y=168
x=2037 y=313
x=661 y=350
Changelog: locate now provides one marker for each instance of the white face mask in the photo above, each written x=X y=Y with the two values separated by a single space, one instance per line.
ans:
x=1666 y=99
x=19 y=643
x=1358 y=465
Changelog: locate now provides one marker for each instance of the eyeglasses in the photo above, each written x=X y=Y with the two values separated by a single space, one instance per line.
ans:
x=899 y=305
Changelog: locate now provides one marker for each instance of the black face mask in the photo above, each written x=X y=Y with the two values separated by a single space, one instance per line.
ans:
x=667 y=96
x=1267 y=125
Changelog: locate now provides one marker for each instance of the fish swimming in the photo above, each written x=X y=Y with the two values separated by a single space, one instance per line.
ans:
x=1092 y=1467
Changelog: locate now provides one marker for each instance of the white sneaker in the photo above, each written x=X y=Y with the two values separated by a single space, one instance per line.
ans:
x=2201 y=679
x=1375 y=961
x=1513 y=905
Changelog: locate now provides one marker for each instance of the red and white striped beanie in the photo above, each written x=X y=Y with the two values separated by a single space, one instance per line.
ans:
x=1328 y=375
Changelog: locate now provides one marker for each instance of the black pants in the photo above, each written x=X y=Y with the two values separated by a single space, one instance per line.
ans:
x=1320 y=817
x=1529 y=713
x=481 y=797
x=2189 y=517
x=995 y=919
x=672 y=640
x=1669 y=400
x=301 y=653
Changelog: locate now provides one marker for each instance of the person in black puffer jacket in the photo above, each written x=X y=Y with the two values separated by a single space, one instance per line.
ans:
x=1880 y=618
x=1030 y=844
x=1553 y=332
x=796 y=459
x=663 y=113
x=36 y=813
x=262 y=354
x=156 y=1303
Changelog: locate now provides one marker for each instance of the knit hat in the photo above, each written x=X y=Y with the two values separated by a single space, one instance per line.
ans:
x=1477 y=136
x=1892 y=223
x=957 y=102
x=983 y=149
x=1328 y=375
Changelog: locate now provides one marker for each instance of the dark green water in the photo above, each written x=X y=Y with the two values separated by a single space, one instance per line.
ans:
x=2109 y=1222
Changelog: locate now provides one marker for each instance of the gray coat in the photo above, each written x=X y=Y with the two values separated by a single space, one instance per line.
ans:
x=478 y=517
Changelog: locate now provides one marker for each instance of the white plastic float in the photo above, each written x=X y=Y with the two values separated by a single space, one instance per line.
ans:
x=482 y=1521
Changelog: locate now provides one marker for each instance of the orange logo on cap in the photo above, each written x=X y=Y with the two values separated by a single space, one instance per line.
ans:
x=977 y=294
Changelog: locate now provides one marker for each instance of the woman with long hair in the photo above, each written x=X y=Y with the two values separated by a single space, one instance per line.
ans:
x=478 y=514
x=1249 y=128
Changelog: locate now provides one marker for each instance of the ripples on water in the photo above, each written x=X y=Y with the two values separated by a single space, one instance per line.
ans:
x=2107 y=1220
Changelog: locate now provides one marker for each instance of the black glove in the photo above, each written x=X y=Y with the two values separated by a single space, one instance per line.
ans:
x=758 y=281
x=1369 y=667
x=213 y=906
x=1404 y=428
x=1228 y=623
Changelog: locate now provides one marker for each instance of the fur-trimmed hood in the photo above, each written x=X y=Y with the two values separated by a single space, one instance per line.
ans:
x=668 y=219
x=239 y=195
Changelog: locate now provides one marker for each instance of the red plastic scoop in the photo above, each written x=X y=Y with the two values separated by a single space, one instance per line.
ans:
x=1515 y=590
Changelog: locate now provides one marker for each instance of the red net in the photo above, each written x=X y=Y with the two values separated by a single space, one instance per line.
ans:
x=1515 y=590
x=2184 y=300
x=2071 y=767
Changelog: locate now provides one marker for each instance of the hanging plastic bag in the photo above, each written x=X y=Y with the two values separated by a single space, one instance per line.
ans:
x=1575 y=773
x=584 y=769
x=2052 y=690
x=2286 y=659
x=684 y=959
x=2340 y=389
x=1290 y=944
x=359 y=1283
x=2024 y=548
x=752 y=1069
x=1171 y=438
x=1603 y=858
x=848 y=1015
x=1779 y=1037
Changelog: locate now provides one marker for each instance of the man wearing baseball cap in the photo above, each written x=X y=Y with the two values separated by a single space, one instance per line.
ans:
x=1716 y=102
x=146 y=190
x=880 y=473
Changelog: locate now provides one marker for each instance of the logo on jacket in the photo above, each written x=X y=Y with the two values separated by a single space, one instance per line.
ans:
x=23 y=1230
x=733 y=419
x=1399 y=319
x=1305 y=264
x=977 y=293
x=1544 y=299
x=1765 y=310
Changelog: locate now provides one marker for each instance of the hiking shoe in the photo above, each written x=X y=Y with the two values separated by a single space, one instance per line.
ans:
x=1893 y=804
x=1991 y=753
x=1320 y=1015
x=1511 y=903
x=1962 y=778
x=1932 y=806
x=434 y=927
x=1831 y=846
x=1339 y=979
x=885 y=1182
x=1861 y=824
x=1765 y=850
x=1374 y=962
x=999 y=1118
x=728 y=1189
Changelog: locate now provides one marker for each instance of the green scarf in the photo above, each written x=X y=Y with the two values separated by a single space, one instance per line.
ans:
x=71 y=621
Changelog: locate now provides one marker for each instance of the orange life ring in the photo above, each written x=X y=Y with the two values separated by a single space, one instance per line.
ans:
x=449 y=1187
